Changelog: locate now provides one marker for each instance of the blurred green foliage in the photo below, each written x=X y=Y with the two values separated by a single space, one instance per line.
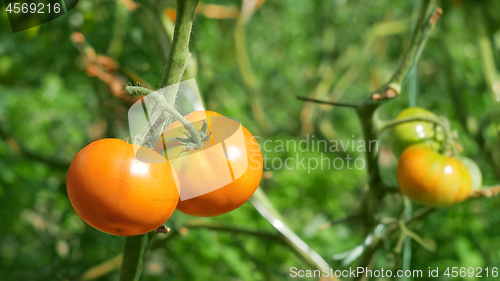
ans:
x=50 y=109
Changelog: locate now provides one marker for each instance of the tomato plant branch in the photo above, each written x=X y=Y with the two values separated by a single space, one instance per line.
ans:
x=179 y=51
x=135 y=246
x=202 y=223
x=138 y=90
x=102 y=268
x=377 y=241
x=328 y=102
x=339 y=221
x=486 y=191
x=174 y=70
x=152 y=131
x=366 y=112
x=365 y=259
x=224 y=227
x=371 y=200
x=250 y=80
x=425 y=24
x=260 y=201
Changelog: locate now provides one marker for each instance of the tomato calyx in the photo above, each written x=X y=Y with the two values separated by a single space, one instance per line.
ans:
x=189 y=141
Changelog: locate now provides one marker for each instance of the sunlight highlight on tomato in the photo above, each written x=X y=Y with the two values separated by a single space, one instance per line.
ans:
x=120 y=188
x=430 y=178
x=223 y=174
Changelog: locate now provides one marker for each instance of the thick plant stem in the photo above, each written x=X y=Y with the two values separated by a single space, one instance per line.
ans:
x=371 y=201
x=425 y=24
x=370 y=206
x=165 y=107
x=179 y=52
x=135 y=247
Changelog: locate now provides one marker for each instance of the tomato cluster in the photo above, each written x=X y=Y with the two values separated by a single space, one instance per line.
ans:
x=425 y=173
x=126 y=189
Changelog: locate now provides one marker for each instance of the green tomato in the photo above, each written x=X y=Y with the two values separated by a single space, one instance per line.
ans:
x=474 y=171
x=410 y=133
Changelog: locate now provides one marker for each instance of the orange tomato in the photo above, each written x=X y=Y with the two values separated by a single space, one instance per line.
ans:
x=430 y=178
x=120 y=188
x=223 y=174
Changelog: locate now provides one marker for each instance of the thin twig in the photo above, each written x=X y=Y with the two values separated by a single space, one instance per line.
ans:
x=328 y=102
x=486 y=191
x=174 y=70
x=250 y=80
x=418 y=215
x=418 y=41
x=339 y=221
x=203 y=223
x=260 y=201
x=102 y=269
x=370 y=204
x=138 y=90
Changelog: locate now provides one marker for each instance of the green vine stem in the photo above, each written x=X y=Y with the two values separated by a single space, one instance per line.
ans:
x=343 y=104
x=371 y=200
x=137 y=90
x=135 y=246
x=487 y=55
x=261 y=203
x=425 y=24
x=179 y=51
x=153 y=130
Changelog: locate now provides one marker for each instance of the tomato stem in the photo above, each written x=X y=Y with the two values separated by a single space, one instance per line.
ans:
x=135 y=247
x=371 y=201
x=427 y=18
x=188 y=125
x=162 y=105
x=137 y=90
x=174 y=70
x=179 y=51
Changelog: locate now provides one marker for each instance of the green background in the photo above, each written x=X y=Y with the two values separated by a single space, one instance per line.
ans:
x=336 y=50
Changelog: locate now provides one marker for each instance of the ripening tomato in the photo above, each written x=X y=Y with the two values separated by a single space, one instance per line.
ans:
x=430 y=178
x=120 y=188
x=474 y=171
x=220 y=176
x=410 y=133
